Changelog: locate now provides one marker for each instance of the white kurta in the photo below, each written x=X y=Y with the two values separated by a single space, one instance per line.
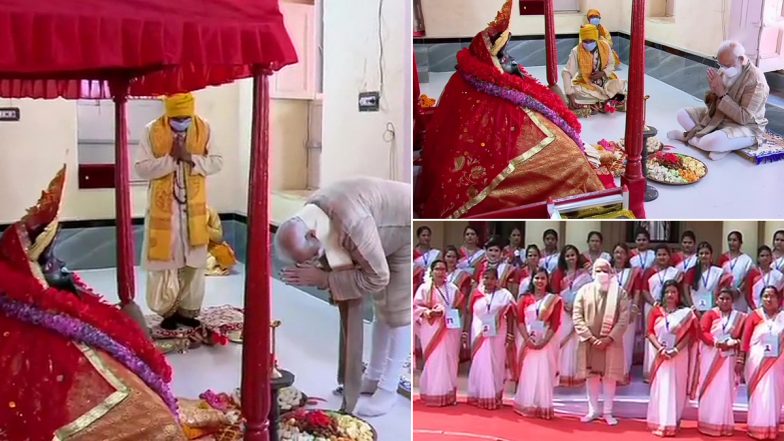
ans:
x=150 y=168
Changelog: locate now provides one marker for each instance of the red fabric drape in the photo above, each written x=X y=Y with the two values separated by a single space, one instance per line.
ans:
x=51 y=45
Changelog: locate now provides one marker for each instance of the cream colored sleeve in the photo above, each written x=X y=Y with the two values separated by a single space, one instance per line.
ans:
x=148 y=166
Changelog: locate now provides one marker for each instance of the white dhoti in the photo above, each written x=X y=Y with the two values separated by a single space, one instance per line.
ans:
x=586 y=95
x=176 y=291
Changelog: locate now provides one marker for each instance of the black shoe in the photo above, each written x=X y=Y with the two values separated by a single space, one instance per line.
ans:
x=187 y=321
x=169 y=323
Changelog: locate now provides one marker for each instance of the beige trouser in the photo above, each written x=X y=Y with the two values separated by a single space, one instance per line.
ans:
x=350 y=356
x=176 y=291
x=352 y=331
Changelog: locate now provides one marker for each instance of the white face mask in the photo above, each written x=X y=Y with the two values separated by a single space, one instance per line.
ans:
x=595 y=21
x=602 y=279
x=730 y=72
x=589 y=46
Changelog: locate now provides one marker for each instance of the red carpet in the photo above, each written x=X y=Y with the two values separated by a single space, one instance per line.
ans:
x=467 y=423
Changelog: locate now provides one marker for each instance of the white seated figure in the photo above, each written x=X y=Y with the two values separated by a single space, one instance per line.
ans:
x=734 y=118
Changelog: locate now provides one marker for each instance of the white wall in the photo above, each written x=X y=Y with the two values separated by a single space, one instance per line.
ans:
x=288 y=138
x=353 y=142
x=698 y=26
x=46 y=136
x=466 y=18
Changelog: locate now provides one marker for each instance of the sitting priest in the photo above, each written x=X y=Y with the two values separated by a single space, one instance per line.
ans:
x=73 y=366
x=734 y=116
x=499 y=138
x=220 y=256
x=589 y=77
x=594 y=17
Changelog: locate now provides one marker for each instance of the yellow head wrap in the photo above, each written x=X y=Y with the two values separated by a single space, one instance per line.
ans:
x=179 y=105
x=593 y=13
x=589 y=32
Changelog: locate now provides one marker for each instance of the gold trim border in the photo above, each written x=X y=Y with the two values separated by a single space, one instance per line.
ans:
x=94 y=414
x=511 y=168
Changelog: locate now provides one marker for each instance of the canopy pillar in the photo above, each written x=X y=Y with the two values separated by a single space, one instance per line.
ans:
x=635 y=122
x=551 y=49
x=122 y=193
x=256 y=360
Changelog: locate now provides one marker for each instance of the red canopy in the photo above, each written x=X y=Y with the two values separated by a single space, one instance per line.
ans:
x=164 y=46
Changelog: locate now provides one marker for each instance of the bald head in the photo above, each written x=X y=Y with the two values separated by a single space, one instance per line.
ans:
x=731 y=53
x=295 y=242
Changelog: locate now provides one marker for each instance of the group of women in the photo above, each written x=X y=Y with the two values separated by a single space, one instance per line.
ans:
x=707 y=327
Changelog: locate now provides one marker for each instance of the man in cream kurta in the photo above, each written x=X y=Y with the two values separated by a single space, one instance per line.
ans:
x=589 y=75
x=176 y=156
x=353 y=238
x=600 y=315
x=734 y=118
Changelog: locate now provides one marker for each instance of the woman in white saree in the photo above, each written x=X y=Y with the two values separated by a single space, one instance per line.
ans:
x=672 y=329
x=492 y=317
x=761 y=276
x=527 y=271
x=471 y=254
x=550 y=255
x=703 y=282
x=438 y=307
x=764 y=366
x=654 y=278
x=629 y=279
x=424 y=255
x=778 y=250
x=685 y=259
x=570 y=276
x=539 y=316
x=738 y=264
x=720 y=338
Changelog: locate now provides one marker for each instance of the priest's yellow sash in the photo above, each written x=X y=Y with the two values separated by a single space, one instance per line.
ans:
x=162 y=191
x=585 y=62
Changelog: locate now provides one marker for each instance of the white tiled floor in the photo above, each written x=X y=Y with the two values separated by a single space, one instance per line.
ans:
x=733 y=189
x=306 y=344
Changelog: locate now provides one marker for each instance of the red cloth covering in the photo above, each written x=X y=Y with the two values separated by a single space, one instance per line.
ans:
x=473 y=137
x=51 y=45
x=47 y=381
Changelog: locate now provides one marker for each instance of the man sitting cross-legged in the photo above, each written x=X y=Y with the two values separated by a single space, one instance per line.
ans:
x=734 y=118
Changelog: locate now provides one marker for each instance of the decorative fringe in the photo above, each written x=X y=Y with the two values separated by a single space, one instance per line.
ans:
x=767 y=159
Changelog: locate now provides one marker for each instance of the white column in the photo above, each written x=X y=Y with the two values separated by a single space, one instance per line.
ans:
x=750 y=231
x=770 y=228
x=535 y=229
x=577 y=233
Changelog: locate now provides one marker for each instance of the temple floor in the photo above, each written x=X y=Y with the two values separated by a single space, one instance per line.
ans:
x=734 y=188
x=307 y=343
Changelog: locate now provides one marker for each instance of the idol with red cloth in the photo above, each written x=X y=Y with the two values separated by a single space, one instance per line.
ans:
x=499 y=138
x=73 y=366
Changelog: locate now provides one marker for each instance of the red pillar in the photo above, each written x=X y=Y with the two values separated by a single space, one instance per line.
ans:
x=549 y=43
x=122 y=194
x=635 y=123
x=256 y=367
